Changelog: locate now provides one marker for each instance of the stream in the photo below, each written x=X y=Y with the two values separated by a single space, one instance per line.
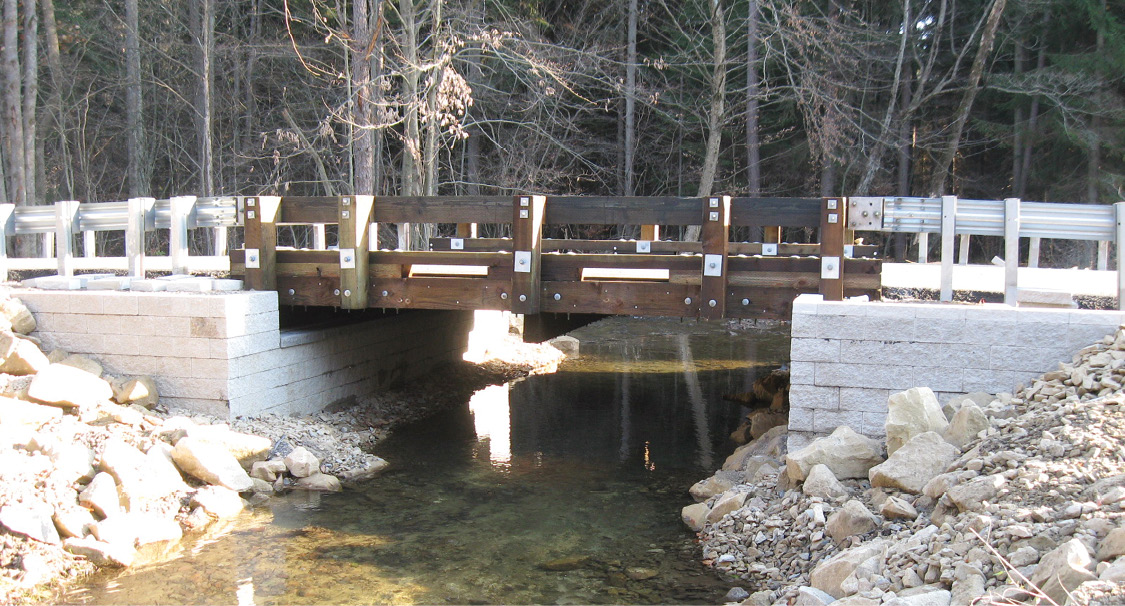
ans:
x=556 y=489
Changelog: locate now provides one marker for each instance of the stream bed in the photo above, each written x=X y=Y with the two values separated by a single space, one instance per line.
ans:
x=556 y=489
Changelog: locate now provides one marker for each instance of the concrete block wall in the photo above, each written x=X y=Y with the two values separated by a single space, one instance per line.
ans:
x=847 y=357
x=224 y=355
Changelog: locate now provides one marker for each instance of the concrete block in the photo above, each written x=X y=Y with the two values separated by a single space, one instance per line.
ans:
x=877 y=376
x=204 y=367
x=841 y=308
x=59 y=283
x=1042 y=315
x=814 y=397
x=43 y=302
x=955 y=356
x=888 y=328
x=146 y=285
x=826 y=421
x=176 y=277
x=1079 y=336
x=222 y=285
x=213 y=408
x=73 y=342
x=61 y=322
x=873 y=424
x=815 y=350
x=864 y=400
x=114 y=283
x=806 y=304
x=1096 y=317
x=796 y=440
x=995 y=381
x=1033 y=359
x=940 y=311
x=802 y=373
x=991 y=312
x=939 y=379
x=190 y=284
x=191 y=387
x=250 y=302
x=931 y=330
x=905 y=353
x=801 y=419
x=890 y=310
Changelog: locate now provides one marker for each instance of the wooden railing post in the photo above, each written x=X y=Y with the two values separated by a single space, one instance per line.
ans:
x=66 y=214
x=527 y=230
x=135 y=234
x=833 y=222
x=650 y=233
x=715 y=236
x=180 y=208
x=948 y=237
x=261 y=241
x=1011 y=250
x=7 y=228
x=355 y=220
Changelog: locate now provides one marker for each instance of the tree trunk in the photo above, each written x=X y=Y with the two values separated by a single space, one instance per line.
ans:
x=715 y=114
x=30 y=96
x=13 y=106
x=1017 y=121
x=205 y=49
x=363 y=156
x=55 y=102
x=411 y=141
x=377 y=61
x=905 y=144
x=432 y=122
x=875 y=157
x=972 y=87
x=1032 y=129
x=753 y=90
x=139 y=173
x=630 y=98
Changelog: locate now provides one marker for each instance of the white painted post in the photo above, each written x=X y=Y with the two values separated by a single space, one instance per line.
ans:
x=220 y=241
x=963 y=252
x=135 y=234
x=7 y=228
x=923 y=248
x=181 y=207
x=1103 y=255
x=1033 y=253
x=948 y=234
x=88 y=244
x=373 y=237
x=47 y=245
x=1011 y=249
x=319 y=238
x=1119 y=244
x=66 y=213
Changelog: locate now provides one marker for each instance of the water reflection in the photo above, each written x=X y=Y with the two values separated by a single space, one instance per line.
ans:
x=492 y=422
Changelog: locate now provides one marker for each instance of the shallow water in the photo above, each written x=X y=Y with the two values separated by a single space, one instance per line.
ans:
x=558 y=489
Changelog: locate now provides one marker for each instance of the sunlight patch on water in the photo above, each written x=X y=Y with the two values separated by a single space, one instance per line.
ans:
x=492 y=421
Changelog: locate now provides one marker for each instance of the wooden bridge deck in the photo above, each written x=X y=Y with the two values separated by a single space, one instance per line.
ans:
x=529 y=274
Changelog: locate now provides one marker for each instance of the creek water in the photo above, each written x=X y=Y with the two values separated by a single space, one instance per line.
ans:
x=557 y=489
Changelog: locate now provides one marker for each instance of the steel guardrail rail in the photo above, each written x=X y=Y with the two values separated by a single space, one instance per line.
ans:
x=114 y=216
x=1063 y=221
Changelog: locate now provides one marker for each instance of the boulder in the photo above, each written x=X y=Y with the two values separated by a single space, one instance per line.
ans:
x=822 y=483
x=142 y=477
x=895 y=508
x=16 y=317
x=695 y=516
x=262 y=486
x=1113 y=573
x=267 y=470
x=856 y=600
x=13 y=437
x=719 y=483
x=101 y=553
x=909 y=468
x=845 y=452
x=73 y=461
x=320 y=481
x=83 y=363
x=57 y=355
x=1112 y=546
x=966 y=423
x=811 y=596
x=851 y=519
x=155 y=528
x=246 y=448
x=770 y=445
x=726 y=503
x=1063 y=569
x=73 y=521
x=829 y=574
x=968 y=584
x=940 y=484
x=301 y=463
x=372 y=467
x=218 y=502
x=120 y=529
x=937 y=597
x=29 y=414
x=15 y=387
x=135 y=390
x=910 y=413
x=202 y=460
x=31 y=519
x=972 y=495
x=100 y=495
x=68 y=387
x=736 y=594
x=762 y=421
x=19 y=356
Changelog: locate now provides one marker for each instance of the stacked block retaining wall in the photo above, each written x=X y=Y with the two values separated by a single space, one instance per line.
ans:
x=848 y=357
x=224 y=355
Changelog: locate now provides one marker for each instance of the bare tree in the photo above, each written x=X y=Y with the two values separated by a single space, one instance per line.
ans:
x=139 y=169
x=13 y=106
x=30 y=96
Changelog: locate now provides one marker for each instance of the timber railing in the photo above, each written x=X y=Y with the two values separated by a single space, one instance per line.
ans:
x=528 y=273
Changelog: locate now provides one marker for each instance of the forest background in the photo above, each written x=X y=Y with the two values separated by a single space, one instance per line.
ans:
x=109 y=99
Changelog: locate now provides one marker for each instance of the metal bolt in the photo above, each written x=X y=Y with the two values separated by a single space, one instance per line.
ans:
x=503 y=295
x=865 y=213
x=336 y=292
x=830 y=267
x=711 y=265
x=523 y=298
x=558 y=297
x=292 y=292
x=687 y=301
x=746 y=301
x=523 y=261
x=253 y=258
x=345 y=214
x=385 y=293
x=347 y=293
x=347 y=259
x=712 y=303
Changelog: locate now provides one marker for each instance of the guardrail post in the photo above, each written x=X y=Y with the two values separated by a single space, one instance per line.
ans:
x=1033 y=252
x=1011 y=249
x=220 y=247
x=1119 y=246
x=66 y=215
x=180 y=207
x=948 y=236
x=355 y=220
x=715 y=237
x=527 y=230
x=139 y=209
x=833 y=222
x=47 y=245
x=923 y=247
x=1103 y=255
x=89 y=244
x=7 y=228
x=963 y=250
x=262 y=213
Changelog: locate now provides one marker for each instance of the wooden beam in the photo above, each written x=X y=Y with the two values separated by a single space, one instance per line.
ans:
x=766 y=212
x=650 y=233
x=715 y=237
x=621 y=298
x=635 y=210
x=261 y=241
x=440 y=293
x=355 y=219
x=833 y=222
x=527 y=229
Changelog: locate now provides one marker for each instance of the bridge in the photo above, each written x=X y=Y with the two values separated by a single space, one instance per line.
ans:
x=530 y=273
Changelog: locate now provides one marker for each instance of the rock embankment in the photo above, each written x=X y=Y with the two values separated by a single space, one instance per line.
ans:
x=91 y=469
x=1016 y=497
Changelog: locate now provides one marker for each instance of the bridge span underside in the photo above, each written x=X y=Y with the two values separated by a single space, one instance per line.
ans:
x=528 y=273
